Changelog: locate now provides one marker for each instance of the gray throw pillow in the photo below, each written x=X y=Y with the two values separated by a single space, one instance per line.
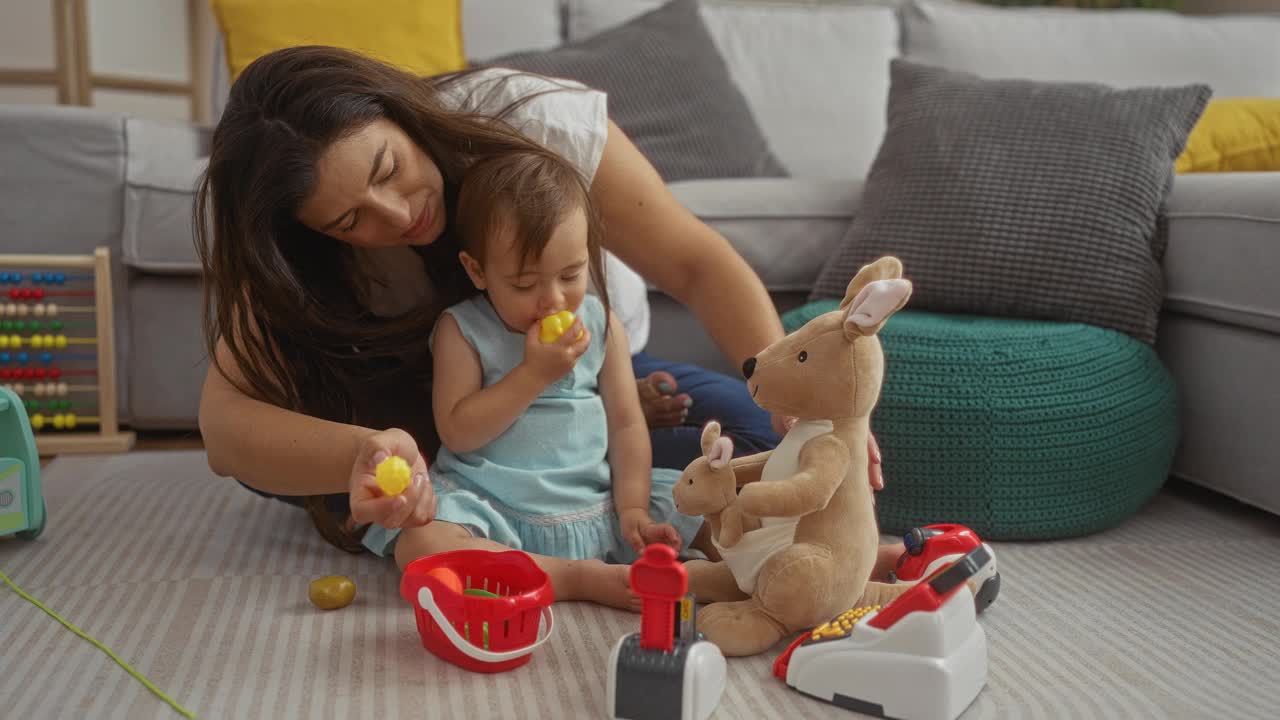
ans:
x=1019 y=198
x=669 y=90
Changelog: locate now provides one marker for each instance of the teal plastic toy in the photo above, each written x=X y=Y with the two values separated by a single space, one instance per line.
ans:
x=22 y=506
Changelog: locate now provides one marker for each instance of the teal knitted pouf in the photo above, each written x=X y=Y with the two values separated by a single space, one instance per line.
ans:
x=1021 y=430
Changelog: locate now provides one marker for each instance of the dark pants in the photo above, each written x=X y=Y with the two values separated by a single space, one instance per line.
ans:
x=715 y=397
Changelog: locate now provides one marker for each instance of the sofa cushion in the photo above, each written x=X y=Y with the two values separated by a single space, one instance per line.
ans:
x=784 y=227
x=1224 y=249
x=1235 y=55
x=1022 y=199
x=162 y=167
x=498 y=27
x=816 y=76
x=669 y=90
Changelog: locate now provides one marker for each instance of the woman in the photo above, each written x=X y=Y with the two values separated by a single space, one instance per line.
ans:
x=329 y=254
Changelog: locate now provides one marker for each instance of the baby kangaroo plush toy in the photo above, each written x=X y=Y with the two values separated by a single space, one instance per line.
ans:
x=708 y=488
x=817 y=544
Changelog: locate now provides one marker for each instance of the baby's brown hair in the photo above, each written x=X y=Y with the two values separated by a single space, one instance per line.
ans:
x=534 y=191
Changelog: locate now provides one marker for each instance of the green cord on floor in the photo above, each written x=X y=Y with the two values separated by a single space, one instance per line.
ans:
x=98 y=645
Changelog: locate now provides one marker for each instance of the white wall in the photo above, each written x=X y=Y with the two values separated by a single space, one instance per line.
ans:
x=130 y=39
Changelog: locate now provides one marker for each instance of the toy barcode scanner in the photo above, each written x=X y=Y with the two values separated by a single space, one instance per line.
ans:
x=666 y=670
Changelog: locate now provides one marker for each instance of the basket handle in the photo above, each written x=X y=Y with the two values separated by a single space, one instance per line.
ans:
x=428 y=603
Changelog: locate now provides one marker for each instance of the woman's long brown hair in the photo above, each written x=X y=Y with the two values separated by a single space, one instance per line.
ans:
x=281 y=296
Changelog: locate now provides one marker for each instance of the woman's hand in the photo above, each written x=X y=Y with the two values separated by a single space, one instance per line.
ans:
x=873 y=466
x=640 y=530
x=782 y=425
x=548 y=362
x=661 y=407
x=415 y=507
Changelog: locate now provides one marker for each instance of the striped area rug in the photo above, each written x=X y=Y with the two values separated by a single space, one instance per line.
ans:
x=202 y=586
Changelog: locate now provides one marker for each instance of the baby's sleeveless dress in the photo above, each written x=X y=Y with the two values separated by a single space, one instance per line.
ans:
x=543 y=485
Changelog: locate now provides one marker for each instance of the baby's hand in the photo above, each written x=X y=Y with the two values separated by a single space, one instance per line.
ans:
x=640 y=530
x=549 y=362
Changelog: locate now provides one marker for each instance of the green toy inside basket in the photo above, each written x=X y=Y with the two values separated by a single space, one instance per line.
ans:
x=1019 y=429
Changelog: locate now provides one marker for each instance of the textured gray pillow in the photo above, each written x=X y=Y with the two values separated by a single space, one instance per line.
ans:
x=1019 y=198
x=669 y=90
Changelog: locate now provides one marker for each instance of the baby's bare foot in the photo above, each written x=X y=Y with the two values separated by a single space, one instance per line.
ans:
x=608 y=585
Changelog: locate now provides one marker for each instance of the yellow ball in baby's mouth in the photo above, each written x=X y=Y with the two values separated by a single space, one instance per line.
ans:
x=553 y=326
x=392 y=475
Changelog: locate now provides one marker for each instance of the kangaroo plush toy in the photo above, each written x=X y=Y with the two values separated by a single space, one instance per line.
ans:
x=709 y=488
x=812 y=557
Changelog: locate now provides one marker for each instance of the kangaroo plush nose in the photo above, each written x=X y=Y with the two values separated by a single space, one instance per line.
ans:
x=748 y=367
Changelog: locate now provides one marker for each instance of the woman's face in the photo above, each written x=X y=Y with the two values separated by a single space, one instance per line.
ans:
x=376 y=188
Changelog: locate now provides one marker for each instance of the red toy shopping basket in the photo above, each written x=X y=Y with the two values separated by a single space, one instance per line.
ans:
x=478 y=609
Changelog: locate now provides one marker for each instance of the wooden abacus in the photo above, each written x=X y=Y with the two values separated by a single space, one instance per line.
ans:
x=39 y=329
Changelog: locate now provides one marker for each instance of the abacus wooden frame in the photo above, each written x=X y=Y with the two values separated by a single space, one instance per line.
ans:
x=109 y=437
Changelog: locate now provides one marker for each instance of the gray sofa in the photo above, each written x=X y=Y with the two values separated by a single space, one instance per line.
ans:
x=74 y=179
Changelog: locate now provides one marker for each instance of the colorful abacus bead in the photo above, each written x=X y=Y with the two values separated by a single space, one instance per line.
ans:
x=46 y=358
x=23 y=358
x=37 y=421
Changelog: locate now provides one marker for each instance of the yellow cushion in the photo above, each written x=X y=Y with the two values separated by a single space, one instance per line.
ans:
x=422 y=36
x=1234 y=134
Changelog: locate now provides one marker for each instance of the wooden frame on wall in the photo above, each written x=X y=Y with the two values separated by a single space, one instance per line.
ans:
x=75 y=80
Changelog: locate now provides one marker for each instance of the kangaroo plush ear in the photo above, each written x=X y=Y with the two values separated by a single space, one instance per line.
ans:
x=873 y=305
x=886 y=268
x=721 y=453
x=710 y=433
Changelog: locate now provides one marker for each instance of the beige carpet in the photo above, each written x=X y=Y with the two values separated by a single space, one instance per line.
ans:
x=202 y=586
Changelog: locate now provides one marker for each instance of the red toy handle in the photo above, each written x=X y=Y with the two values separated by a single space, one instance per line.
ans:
x=659 y=580
x=930 y=595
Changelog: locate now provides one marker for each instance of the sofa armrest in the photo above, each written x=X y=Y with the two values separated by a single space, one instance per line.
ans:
x=1223 y=248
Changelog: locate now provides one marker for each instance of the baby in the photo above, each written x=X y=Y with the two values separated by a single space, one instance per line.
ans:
x=545 y=446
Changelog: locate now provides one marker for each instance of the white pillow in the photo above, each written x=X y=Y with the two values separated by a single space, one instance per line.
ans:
x=815 y=76
x=1234 y=55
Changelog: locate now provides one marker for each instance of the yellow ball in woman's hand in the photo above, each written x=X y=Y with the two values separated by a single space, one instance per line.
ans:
x=553 y=326
x=392 y=475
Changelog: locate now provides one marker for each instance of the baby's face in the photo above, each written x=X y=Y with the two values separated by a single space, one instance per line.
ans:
x=553 y=282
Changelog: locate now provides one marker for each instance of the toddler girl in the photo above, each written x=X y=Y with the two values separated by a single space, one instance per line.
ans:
x=545 y=446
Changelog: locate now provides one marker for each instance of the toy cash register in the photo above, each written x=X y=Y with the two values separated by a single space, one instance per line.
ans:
x=666 y=671
x=923 y=657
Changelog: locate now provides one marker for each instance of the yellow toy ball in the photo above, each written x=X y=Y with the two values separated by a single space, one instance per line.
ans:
x=332 y=592
x=553 y=326
x=392 y=475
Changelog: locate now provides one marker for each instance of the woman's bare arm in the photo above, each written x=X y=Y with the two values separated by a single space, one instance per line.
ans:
x=270 y=448
x=647 y=228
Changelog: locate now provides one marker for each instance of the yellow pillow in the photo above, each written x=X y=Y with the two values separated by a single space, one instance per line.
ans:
x=1234 y=134
x=422 y=36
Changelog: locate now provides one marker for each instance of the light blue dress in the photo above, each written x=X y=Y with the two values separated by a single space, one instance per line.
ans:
x=543 y=486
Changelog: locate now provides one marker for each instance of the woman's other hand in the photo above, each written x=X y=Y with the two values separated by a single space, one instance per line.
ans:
x=783 y=424
x=415 y=507
x=662 y=407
